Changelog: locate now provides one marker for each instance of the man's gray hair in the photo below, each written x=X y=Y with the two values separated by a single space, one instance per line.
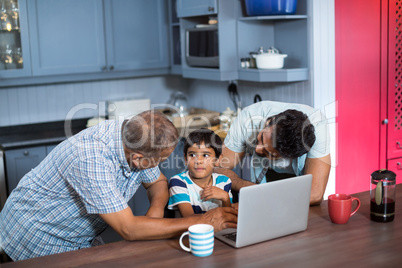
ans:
x=149 y=133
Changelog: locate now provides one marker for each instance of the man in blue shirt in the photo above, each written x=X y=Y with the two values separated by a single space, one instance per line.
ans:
x=84 y=185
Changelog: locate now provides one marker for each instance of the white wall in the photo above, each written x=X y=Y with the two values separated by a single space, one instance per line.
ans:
x=323 y=71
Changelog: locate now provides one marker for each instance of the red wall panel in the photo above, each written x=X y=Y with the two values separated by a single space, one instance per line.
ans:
x=358 y=87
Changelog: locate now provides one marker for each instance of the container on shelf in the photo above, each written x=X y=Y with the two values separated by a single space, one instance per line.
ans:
x=270 y=7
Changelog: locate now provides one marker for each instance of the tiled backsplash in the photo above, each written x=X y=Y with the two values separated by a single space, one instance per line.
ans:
x=36 y=104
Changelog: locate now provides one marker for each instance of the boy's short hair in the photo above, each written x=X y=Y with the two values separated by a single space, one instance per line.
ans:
x=206 y=136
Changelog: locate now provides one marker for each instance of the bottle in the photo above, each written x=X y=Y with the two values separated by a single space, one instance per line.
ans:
x=382 y=196
x=226 y=119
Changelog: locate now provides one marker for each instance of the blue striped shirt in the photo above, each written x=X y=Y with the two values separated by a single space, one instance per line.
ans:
x=183 y=190
x=55 y=206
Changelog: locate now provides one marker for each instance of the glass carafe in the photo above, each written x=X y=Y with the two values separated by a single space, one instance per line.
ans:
x=382 y=196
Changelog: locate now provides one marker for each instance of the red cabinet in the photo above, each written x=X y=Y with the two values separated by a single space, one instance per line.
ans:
x=359 y=84
x=394 y=96
x=396 y=166
x=368 y=90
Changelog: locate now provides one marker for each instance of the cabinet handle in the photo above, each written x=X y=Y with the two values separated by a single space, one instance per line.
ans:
x=111 y=68
x=104 y=68
x=398 y=166
x=26 y=153
x=398 y=145
x=211 y=9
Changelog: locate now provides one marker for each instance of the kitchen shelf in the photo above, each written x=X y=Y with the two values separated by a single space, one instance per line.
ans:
x=210 y=74
x=274 y=75
x=175 y=46
x=279 y=17
x=11 y=31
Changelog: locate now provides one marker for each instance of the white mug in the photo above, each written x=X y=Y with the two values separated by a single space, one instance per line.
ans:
x=201 y=239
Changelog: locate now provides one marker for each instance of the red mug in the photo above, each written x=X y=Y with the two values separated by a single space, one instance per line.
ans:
x=340 y=207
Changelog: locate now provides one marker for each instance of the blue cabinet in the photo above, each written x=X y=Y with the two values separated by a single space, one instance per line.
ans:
x=191 y=8
x=175 y=46
x=136 y=34
x=76 y=37
x=20 y=161
x=227 y=35
x=175 y=163
x=240 y=35
x=67 y=37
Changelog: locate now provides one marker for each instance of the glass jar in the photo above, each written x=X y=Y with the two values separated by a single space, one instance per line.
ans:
x=382 y=196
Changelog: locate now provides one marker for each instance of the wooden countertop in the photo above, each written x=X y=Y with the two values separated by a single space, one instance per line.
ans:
x=359 y=243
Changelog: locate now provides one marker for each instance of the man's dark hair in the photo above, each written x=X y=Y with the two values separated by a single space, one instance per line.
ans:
x=293 y=134
x=206 y=136
x=149 y=133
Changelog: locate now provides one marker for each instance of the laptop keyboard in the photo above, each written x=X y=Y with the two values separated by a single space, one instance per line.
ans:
x=231 y=236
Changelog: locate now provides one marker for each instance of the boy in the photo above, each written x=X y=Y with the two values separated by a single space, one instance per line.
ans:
x=199 y=189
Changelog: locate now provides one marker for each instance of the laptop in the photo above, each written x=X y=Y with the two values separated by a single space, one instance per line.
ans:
x=270 y=210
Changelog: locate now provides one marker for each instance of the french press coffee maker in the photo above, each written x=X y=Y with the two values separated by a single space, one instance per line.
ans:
x=382 y=196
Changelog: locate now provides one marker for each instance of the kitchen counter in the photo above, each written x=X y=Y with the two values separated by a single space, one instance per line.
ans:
x=14 y=137
x=359 y=243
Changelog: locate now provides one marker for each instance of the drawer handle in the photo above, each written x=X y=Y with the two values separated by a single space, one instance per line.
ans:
x=211 y=9
x=26 y=153
x=399 y=166
x=398 y=145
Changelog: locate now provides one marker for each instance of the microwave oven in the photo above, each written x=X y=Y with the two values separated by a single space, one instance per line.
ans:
x=202 y=47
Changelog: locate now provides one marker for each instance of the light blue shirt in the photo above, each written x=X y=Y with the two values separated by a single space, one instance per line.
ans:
x=55 y=207
x=251 y=121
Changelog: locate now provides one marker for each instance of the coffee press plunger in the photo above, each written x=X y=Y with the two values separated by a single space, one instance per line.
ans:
x=382 y=196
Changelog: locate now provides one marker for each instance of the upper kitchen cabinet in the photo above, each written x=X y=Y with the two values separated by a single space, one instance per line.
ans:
x=287 y=33
x=208 y=42
x=67 y=37
x=136 y=34
x=192 y=8
x=95 y=36
x=216 y=40
x=14 y=39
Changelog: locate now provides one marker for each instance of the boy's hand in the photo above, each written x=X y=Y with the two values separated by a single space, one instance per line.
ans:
x=213 y=192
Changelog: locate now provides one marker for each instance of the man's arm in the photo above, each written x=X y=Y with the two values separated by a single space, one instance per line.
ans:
x=237 y=182
x=319 y=168
x=228 y=161
x=131 y=227
x=158 y=196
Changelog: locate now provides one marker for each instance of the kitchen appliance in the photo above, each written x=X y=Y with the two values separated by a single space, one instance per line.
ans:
x=272 y=59
x=202 y=47
x=382 y=196
x=125 y=109
x=270 y=7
